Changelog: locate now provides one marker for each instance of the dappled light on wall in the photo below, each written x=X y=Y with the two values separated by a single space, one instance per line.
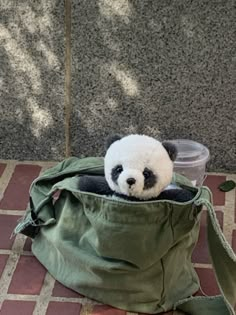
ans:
x=98 y=113
x=116 y=8
x=32 y=21
x=112 y=104
x=124 y=77
x=19 y=59
x=108 y=39
x=32 y=79
x=51 y=58
x=41 y=118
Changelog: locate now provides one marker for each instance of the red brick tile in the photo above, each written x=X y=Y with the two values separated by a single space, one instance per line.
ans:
x=62 y=308
x=7 y=225
x=208 y=281
x=213 y=181
x=28 y=276
x=234 y=240
x=106 y=310
x=28 y=243
x=17 y=307
x=3 y=261
x=16 y=195
x=200 y=253
x=2 y=168
x=62 y=291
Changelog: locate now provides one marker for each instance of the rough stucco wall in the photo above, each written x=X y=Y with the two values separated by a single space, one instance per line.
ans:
x=31 y=79
x=164 y=68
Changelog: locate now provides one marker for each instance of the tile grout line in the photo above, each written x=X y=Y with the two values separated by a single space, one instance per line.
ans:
x=218 y=173
x=21 y=297
x=40 y=163
x=12 y=212
x=229 y=213
x=6 y=176
x=86 y=309
x=9 y=251
x=10 y=266
x=82 y=300
x=202 y=265
x=43 y=298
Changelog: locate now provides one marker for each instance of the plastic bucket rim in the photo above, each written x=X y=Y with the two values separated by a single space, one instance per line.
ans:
x=198 y=162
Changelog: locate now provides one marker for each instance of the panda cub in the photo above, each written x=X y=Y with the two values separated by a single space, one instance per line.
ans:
x=137 y=168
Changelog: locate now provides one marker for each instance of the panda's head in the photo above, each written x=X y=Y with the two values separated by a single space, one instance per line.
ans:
x=139 y=166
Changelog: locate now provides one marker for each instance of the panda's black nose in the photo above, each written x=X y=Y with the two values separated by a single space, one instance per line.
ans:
x=131 y=181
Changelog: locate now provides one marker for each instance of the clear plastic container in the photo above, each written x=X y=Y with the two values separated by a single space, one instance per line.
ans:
x=191 y=160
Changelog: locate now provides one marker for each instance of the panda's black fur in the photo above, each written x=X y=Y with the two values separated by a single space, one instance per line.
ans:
x=99 y=185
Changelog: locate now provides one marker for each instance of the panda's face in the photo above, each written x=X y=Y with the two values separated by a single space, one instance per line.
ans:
x=138 y=166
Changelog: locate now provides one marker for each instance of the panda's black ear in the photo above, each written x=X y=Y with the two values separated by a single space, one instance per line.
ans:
x=112 y=139
x=171 y=149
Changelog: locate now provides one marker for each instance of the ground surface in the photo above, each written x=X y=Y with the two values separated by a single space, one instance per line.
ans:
x=25 y=286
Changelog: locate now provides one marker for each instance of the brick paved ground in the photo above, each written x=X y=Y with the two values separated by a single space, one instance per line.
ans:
x=25 y=286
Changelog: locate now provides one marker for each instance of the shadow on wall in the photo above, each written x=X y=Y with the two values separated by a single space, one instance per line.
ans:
x=162 y=68
x=32 y=80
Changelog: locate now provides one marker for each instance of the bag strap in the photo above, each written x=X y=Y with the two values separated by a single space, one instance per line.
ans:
x=224 y=264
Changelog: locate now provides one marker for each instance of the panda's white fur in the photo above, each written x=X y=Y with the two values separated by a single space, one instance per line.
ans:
x=135 y=153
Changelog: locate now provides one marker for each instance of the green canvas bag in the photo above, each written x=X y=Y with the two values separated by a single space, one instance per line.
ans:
x=132 y=255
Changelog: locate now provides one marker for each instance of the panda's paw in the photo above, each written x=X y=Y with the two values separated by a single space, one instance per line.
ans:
x=179 y=195
x=94 y=184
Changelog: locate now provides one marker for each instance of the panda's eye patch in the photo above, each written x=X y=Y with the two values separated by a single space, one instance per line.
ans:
x=115 y=173
x=147 y=173
x=118 y=169
x=150 y=178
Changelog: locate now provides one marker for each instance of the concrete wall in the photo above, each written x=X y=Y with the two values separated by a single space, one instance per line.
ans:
x=31 y=79
x=164 y=68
